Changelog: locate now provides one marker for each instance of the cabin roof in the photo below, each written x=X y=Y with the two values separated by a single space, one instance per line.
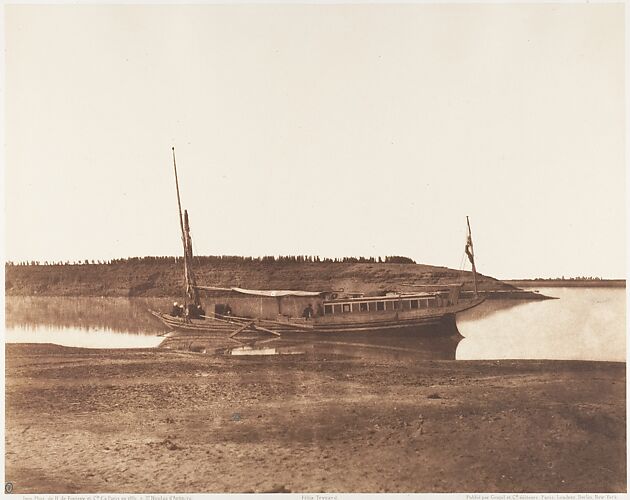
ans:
x=381 y=298
x=277 y=293
x=264 y=293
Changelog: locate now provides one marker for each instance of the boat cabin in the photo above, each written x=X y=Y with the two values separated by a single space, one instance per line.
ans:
x=263 y=304
x=392 y=303
x=286 y=304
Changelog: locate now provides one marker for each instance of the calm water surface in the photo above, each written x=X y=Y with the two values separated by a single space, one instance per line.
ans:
x=83 y=321
x=584 y=323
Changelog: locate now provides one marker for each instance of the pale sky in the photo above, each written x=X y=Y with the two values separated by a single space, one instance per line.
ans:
x=321 y=130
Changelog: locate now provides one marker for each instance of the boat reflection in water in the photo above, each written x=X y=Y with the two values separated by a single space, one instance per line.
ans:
x=435 y=344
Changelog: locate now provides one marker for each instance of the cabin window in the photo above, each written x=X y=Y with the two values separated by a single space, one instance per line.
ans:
x=372 y=306
x=346 y=308
x=380 y=306
x=389 y=305
x=363 y=306
x=336 y=308
x=396 y=305
x=328 y=309
x=405 y=305
x=414 y=304
x=431 y=302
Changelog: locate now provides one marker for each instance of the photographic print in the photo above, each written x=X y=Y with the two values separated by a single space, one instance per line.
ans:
x=315 y=248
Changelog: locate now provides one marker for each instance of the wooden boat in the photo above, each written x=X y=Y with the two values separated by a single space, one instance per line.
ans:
x=237 y=312
x=330 y=315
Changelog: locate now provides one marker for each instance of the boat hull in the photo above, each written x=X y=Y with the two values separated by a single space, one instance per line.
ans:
x=321 y=325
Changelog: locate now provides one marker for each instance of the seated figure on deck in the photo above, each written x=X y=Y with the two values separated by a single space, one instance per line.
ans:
x=177 y=310
x=193 y=311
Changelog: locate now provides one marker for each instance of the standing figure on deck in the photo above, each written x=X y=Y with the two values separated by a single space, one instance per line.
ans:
x=308 y=312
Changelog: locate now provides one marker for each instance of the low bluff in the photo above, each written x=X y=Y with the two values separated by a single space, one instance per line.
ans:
x=163 y=277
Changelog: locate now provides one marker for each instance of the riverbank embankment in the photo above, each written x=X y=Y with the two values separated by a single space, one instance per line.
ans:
x=163 y=277
x=81 y=420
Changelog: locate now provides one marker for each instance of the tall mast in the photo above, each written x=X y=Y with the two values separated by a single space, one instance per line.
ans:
x=191 y=284
x=471 y=255
x=191 y=291
x=179 y=203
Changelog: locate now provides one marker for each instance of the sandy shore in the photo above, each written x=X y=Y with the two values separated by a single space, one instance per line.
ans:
x=80 y=420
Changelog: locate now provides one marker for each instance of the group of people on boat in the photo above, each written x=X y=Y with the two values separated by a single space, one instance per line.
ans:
x=191 y=311
x=194 y=311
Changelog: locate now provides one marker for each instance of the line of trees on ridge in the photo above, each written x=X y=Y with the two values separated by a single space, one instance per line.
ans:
x=219 y=259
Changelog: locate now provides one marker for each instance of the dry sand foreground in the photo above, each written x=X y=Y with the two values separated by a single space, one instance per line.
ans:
x=80 y=420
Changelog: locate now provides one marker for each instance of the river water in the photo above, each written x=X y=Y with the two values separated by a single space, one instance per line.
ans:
x=582 y=324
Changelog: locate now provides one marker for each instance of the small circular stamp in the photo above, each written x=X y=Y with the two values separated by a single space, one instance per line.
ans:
x=8 y=487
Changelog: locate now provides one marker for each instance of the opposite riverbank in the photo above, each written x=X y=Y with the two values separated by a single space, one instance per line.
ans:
x=86 y=420
x=163 y=277
x=568 y=283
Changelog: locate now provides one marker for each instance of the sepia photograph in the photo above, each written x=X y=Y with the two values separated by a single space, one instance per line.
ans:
x=310 y=249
